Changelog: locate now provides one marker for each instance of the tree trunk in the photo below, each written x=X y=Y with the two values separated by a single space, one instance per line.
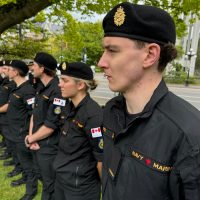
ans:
x=12 y=14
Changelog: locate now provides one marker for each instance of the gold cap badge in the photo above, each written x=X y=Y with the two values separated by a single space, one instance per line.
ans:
x=119 y=16
x=64 y=66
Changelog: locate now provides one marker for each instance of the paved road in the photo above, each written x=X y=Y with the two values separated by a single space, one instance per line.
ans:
x=191 y=94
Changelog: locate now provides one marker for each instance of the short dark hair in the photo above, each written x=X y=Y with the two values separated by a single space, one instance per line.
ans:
x=48 y=72
x=21 y=73
x=168 y=52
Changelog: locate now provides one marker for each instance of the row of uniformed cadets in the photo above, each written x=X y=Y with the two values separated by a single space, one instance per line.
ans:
x=49 y=137
x=151 y=136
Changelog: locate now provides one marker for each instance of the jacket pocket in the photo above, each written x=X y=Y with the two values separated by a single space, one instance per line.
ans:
x=115 y=162
x=142 y=177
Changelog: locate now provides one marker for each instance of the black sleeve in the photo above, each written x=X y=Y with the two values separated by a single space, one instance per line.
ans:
x=29 y=99
x=53 y=112
x=190 y=177
x=94 y=132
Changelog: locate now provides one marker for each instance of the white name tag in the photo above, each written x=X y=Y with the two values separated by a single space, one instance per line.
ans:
x=59 y=102
x=31 y=101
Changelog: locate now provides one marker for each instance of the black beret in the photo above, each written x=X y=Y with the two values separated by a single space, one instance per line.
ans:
x=140 y=22
x=4 y=62
x=77 y=70
x=18 y=64
x=47 y=60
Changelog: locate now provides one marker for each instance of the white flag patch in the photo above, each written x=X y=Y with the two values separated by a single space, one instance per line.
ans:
x=59 y=102
x=31 y=101
x=96 y=132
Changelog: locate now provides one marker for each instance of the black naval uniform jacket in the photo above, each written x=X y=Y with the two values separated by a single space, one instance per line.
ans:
x=19 y=111
x=5 y=89
x=47 y=112
x=157 y=155
x=80 y=147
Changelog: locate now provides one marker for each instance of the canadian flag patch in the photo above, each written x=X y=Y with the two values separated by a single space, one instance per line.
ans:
x=59 y=102
x=31 y=101
x=96 y=132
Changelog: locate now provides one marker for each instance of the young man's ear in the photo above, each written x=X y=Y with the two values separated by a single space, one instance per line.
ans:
x=152 y=55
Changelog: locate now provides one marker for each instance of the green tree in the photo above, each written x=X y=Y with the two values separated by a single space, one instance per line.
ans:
x=13 y=12
x=92 y=40
x=23 y=40
x=76 y=38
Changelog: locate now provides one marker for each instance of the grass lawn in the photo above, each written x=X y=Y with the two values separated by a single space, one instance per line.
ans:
x=12 y=193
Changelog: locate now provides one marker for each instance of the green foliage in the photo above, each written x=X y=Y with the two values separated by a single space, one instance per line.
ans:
x=76 y=39
x=4 y=2
x=21 y=42
x=178 y=75
x=78 y=36
x=59 y=7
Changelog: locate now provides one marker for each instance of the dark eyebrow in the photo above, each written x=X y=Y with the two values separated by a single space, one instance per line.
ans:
x=110 y=46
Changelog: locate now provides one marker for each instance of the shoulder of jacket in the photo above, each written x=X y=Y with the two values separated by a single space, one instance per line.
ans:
x=183 y=114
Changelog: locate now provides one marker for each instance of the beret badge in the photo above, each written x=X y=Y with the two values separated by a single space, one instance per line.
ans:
x=119 y=16
x=64 y=66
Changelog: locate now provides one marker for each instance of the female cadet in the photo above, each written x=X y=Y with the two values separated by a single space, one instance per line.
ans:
x=78 y=162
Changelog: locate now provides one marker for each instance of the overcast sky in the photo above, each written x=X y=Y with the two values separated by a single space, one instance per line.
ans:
x=92 y=18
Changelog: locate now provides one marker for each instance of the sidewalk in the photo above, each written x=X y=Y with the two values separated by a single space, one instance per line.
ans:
x=183 y=86
x=100 y=77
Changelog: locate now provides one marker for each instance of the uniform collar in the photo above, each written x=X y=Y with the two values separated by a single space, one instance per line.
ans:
x=83 y=101
x=117 y=108
x=52 y=81
x=22 y=85
x=158 y=94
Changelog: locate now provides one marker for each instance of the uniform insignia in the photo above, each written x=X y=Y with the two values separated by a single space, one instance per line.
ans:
x=151 y=163
x=80 y=125
x=59 y=102
x=5 y=87
x=119 y=16
x=64 y=66
x=109 y=133
x=96 y=132
x=101 y=144
x=16 y=95
x=57 y=110
x=31 y=101
x=111 y=173
x=64 y=133
x=45 y=97
x=77 y=123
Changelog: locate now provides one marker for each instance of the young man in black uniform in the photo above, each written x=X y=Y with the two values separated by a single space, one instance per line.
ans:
x=35 y=82
x=1 y=77
x=19 y=112
x=151 y=136
x=44 y=127
x=5 y=90
x=79 y=159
